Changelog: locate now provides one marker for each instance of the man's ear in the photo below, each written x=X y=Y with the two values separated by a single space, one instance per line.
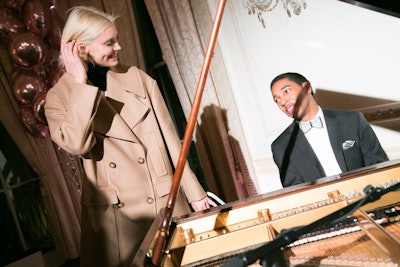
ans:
x=307 y=87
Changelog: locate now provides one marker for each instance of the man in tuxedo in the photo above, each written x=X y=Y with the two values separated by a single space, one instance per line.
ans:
x=319 y=142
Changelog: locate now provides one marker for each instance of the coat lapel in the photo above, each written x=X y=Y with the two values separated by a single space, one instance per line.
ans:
x=129 y=88
x=334 y=127
x=125 y=105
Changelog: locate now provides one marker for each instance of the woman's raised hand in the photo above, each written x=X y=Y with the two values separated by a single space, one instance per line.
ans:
x=69 y=53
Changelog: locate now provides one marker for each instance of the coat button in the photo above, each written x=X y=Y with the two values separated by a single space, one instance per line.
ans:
x=140 y=160
x=120 y=205
x=150 y=200
x=112 y=165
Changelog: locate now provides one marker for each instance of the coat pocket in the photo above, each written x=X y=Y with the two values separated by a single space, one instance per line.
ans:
x=163 y=188
x=156 y=154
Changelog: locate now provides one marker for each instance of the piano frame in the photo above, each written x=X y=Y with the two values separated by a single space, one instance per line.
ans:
x=205 y=238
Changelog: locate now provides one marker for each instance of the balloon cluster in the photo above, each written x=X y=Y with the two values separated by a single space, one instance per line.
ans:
x=31 y=29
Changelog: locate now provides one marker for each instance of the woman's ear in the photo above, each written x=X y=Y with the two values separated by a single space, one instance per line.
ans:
x=83 y=52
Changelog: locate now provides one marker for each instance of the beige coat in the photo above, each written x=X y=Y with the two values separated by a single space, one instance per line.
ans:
x=127 y=166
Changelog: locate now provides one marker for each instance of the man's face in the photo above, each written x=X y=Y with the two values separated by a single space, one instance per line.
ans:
x=291 y=98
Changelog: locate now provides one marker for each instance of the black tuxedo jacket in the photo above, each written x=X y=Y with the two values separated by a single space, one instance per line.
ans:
x=353 y=141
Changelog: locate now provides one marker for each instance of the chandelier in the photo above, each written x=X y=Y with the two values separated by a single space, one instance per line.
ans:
x=260 y=6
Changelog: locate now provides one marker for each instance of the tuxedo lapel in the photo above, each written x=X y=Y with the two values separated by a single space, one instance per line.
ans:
x=302 y=155
x=335 y=130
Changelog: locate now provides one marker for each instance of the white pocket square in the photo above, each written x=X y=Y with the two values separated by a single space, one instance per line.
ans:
x=348 y=144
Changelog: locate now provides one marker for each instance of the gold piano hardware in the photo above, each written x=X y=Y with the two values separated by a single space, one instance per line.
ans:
x=186 y=237
x=200 y=239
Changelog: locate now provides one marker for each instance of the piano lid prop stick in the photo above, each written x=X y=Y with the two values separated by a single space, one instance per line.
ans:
x=167 y=217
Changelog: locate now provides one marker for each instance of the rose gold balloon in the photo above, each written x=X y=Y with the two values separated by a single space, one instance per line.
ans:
x=26 y=85
x=27 y=119
x=10 y=24
x=37 y=16
x=28 y=50
x=38 y=107
x=14 y=3
x=54 y=73
x=31 y=124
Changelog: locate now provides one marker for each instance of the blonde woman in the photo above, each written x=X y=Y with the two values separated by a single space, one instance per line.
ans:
x=115 y=118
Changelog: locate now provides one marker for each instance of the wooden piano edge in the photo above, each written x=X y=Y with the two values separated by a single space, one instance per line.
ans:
x=143 y=256
x=289 y=191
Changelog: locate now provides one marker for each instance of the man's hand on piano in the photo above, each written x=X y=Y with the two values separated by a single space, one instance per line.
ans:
x=203 y=204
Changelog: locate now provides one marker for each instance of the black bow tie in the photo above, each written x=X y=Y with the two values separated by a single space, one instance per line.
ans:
x=306 y=126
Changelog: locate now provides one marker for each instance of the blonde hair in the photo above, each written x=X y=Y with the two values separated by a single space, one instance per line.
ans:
x=84 y=24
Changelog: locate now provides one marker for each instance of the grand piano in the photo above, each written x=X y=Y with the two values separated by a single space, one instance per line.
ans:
x=369 y=236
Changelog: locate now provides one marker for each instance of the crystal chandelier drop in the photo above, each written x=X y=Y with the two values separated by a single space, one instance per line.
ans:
x=260 y=6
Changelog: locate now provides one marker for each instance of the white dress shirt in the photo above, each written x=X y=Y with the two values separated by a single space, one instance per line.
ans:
x=319 y=140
